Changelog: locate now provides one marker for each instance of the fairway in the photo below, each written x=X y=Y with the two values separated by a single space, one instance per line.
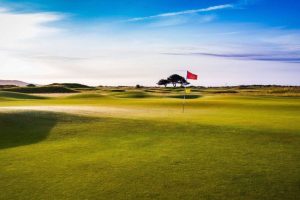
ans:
x=138 y=144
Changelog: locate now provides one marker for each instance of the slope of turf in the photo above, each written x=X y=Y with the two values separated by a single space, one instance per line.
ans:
x=43 y=89
x=193 y=96
x=222 y=147
x=85 y=96
x=71 y=85
x=133 y=94
x=15 y=95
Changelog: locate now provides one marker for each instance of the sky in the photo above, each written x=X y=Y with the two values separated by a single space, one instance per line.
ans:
x=129 y=42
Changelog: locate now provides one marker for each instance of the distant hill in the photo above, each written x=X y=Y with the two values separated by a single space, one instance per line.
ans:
x=13 y=82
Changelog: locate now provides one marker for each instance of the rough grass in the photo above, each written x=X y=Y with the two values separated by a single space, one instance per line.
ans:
x=223 y=147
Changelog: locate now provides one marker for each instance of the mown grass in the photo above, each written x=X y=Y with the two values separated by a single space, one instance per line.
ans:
x=224 y=146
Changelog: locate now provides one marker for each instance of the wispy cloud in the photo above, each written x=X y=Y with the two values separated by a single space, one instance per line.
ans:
x=184 y=12
x=275 y=57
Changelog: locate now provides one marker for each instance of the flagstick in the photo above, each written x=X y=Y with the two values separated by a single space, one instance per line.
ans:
x=183 y=103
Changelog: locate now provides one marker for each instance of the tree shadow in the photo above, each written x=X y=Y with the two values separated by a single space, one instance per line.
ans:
x=24 y=128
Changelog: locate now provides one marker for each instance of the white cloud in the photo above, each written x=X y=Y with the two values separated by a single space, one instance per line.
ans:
x=17 y=27
x=185 y=12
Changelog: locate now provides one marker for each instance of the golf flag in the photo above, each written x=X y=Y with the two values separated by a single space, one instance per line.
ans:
x=191 y=76
x=187 y=90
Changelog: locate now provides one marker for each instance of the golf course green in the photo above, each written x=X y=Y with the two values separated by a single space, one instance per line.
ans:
x=128 y=143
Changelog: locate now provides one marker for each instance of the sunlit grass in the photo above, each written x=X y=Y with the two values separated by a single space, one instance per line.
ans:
x=115 y=145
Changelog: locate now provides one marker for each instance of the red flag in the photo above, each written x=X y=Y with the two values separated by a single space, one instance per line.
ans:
x=191 y=76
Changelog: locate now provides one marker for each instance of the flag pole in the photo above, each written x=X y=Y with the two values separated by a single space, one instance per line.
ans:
x=183 y=103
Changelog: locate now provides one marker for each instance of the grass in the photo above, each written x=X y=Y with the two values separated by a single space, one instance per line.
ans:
x=133 y=94
x=71 y=85
x=15 y=95
x=189 y=96
x=85 y=96
x=42 y=89
x=225 y=146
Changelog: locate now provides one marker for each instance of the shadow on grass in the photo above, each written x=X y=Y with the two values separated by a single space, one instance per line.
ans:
x=23 y=128
x=16 y=95
x=134 y=95
x=191 y=96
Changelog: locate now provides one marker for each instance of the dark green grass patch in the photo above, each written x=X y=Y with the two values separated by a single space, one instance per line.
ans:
x=15 y=95
x=190 y=96
x=71 y=85
x=134 y=94
x=44 y=89
x=117 y=90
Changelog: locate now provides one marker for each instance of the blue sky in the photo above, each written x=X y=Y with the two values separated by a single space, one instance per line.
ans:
x=268 y=12
x=128 y=42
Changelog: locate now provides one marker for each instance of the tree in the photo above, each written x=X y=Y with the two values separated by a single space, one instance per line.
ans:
x=177 y=79
x=31 y=85
x=164 y=82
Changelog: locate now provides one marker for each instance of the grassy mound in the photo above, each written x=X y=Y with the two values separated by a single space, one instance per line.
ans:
x=134 y=94
x=223 y=91
x=118 y=90
x=15 y=95
x=85 y=96
x=45 y=89
x=71 y=85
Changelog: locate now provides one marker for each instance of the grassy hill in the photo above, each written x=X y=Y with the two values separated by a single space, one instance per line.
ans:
x=113 y=144
x=14 y=95
x=42 y=89
x=71 y=85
